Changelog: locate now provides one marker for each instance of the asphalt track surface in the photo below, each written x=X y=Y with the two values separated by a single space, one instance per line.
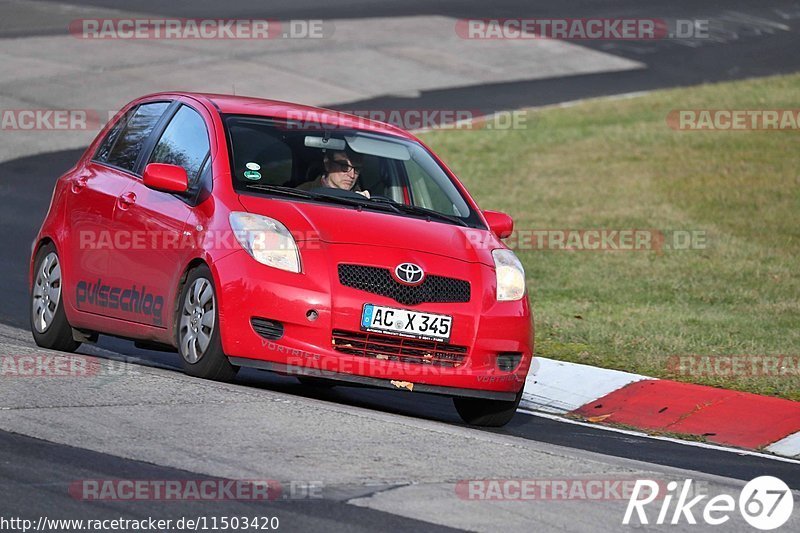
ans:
x=36 y=478
x=746 y=44
x=66 y=463
x=34 y=472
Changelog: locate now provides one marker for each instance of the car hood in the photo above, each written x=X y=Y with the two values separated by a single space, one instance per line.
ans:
x=337 y=224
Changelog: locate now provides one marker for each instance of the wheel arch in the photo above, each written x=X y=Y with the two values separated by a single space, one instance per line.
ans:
x=38 y=245
x=176 y=307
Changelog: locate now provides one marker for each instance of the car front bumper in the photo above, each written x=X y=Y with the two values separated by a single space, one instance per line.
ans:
x=484 y=327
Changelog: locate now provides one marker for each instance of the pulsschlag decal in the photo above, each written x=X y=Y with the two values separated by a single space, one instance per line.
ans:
x=131 y=300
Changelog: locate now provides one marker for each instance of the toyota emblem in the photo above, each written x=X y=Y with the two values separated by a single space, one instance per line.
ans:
x=409 y=273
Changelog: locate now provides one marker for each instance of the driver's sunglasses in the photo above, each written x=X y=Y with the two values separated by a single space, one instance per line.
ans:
x=346 y=167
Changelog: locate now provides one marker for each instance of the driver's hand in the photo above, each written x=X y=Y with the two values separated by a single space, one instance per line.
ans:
x=363 y=193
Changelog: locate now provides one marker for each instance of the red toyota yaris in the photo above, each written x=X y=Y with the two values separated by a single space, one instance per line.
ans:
x=248 y=232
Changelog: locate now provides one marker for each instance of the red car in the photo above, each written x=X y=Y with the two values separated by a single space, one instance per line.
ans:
x=256 y=233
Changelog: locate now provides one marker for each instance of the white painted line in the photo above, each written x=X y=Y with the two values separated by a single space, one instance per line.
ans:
x=560 y=387
x=606 y=98
x=789 y=446
x=706 y=445
x=569 y=103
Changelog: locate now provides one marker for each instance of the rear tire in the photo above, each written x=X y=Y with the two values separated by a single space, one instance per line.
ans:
x=49 y=324
x=486 y=413
x=198 y=337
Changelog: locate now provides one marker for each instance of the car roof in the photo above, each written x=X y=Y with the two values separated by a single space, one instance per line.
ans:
x=246 y=105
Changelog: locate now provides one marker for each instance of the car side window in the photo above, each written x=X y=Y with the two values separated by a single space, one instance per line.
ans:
x=260 y=154
x=184 y=143
x=426 y=192
x=112 y=136
x=123 y=144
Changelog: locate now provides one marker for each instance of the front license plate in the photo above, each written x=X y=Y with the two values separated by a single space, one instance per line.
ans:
x=407 y=323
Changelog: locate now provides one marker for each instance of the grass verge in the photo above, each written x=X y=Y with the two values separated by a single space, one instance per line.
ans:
x=615 y=164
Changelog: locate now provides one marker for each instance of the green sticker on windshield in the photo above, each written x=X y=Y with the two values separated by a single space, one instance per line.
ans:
x=252 y=174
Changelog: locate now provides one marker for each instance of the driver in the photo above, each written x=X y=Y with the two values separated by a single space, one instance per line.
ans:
x=342 y=169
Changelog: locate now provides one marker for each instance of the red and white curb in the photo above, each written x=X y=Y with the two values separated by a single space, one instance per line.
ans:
x=720 y=416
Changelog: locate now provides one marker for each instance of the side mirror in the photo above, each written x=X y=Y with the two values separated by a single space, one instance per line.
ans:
x=167 y=178
x=499 y=223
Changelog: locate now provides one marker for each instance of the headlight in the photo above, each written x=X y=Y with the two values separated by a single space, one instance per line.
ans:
x=267 y=240
x=510 y=275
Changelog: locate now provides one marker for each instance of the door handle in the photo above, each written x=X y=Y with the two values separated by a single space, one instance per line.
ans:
x=126 y=200
x=79 y=184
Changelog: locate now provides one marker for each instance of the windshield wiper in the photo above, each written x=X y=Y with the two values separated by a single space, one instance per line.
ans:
x=289 y=191
x=300 y=193
x=379 y=202
x=417 y=210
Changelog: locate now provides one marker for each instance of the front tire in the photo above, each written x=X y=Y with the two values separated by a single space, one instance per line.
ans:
x=198 y=337
x=49 y=324
x=486 y=413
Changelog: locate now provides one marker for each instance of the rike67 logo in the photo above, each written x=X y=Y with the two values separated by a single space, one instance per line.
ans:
x=765 y=503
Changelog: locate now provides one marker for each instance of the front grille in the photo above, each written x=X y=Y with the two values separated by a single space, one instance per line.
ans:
x=392 y=348
x=380 y=281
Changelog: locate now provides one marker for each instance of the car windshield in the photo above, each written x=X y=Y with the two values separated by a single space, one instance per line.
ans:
x=322 y=163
